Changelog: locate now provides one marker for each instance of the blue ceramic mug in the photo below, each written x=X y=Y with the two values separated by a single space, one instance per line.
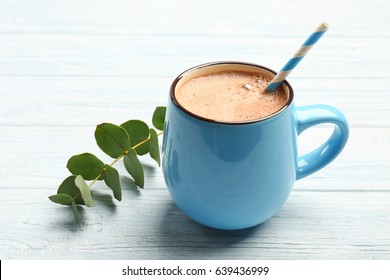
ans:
x=235 y=175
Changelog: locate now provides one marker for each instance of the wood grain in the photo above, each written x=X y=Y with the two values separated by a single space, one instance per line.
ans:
x=147 y=225
x=66 y=67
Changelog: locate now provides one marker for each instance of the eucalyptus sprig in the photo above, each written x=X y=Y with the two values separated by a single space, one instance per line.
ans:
x=127 y=141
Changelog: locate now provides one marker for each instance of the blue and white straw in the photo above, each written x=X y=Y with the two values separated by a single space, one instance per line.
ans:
x=290 y=65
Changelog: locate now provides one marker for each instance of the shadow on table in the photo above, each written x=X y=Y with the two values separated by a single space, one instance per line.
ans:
x=182 y=238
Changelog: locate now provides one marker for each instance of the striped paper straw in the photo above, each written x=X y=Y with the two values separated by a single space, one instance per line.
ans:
x=297 y=57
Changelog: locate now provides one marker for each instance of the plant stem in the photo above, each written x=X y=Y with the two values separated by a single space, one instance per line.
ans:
x=116 y=160
x=112 y=163
x=144 y=141
x=97 y=178
x=121 y=156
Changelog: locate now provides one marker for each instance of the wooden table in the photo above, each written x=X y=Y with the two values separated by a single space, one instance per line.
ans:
x=66 y=67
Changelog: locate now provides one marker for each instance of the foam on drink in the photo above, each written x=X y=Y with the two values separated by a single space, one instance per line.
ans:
x=230 y=96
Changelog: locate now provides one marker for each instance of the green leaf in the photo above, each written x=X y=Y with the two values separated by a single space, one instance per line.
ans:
x=138 y=131
x=61 y=198
x=134 y=167
x=86 y=165
x=112 y=139
x=154 y=150
x=85 y=191
x=111 y=177
x=159 y=117
x=68 y=186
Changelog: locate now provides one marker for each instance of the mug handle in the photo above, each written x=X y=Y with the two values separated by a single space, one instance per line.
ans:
x=308 y=116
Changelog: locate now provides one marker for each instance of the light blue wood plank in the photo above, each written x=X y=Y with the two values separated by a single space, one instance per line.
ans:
x=146 y=225
x=167 y=56
x=88 y=101
x=36 y=158
x=360 y=18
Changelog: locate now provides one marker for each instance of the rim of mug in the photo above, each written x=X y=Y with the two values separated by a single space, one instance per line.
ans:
x=204 y=65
